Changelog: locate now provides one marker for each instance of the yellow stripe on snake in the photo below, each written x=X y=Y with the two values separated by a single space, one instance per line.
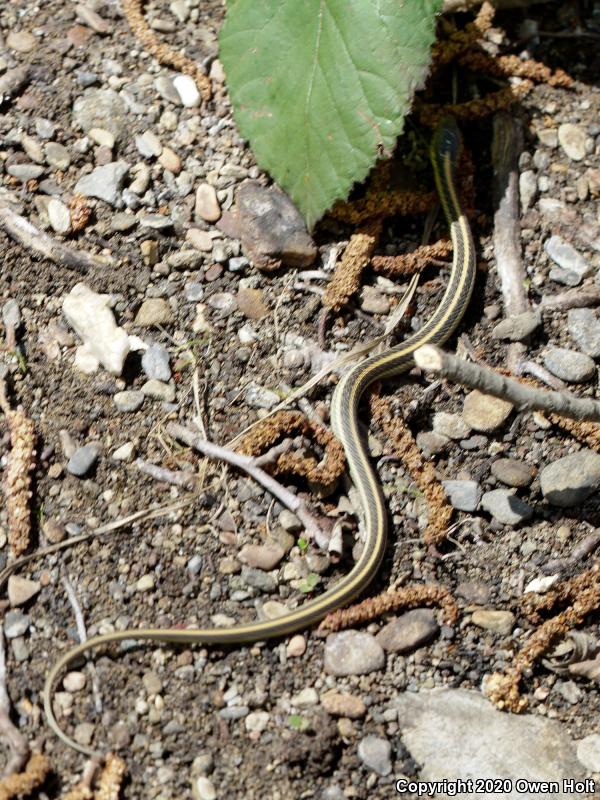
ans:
x=445 y=148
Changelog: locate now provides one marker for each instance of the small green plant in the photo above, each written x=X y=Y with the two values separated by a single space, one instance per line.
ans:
x=302 y=544
x=309 y=583
x=298 y=723
x=320 y=88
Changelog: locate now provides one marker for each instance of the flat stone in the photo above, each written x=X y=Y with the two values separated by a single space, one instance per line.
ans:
x=588 y=752
x=251 y=304
x=148 y=144
x=515 y=329
x=203 y=789
x=373 y=301
x=185 y=259
x=584 y=328
x=570 y=480
x=101 y=108
x=21 y=590
x=145 y=583
x=159 y=390
x=431 y=443
x=155 y=362
x=25 y=172
x=485 y=413
x=491 y=619
x=21 y=41
x=512 y=472
x=261 y=556
x=341 y=704
x=126 y=452
x=59 y=216
x=15 y=624
x=259 y=397
x=376 y=754
x=271 y=228
x=123 y=221
x=154 y=311
x=259 y=579
x=506 y=507
x=452 y=426
x=207 y=206
x=57 y=155
x=164 y=86
x=83 y=459
x=352 y=653
x=171 y=161
x=464 y=495
x=201 y=240
x=104 y=182
x=457 y=733
x=92 y=19
x=128 y=400
x=567 y=258
x=90 y=315
x=569 y=365
x=158 y=222
x=409 y=631
x=572 y=139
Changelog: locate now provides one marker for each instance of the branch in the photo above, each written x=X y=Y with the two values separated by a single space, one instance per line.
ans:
x=23 y=232
x=248 y=465
x=507 y=144
x=525 y=398
x=82 y=633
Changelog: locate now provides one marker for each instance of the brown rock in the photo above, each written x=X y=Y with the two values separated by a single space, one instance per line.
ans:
x=340 y=704
x=485 y=413
x=154 y=311
x=261 y=556
x=251 y=304
x=21 y=41
x=513 y=472
x=79 y=35
x=409 y=631
x=271 y=229
x=207 y=206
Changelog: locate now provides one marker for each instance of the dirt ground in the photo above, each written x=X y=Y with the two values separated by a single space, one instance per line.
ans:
x=161 y=706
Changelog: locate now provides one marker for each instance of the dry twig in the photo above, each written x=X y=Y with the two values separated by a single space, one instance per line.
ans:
x=26 y=234
x=523 y=397
x=82 y=633
x=187 y=480
x=17 y=743
x=295 y=504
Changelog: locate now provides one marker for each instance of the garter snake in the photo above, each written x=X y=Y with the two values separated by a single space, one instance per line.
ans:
x=344 y=415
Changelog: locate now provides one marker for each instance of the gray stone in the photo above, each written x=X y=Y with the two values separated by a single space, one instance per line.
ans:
x=375 y=753
x=15 y=624
x=59 y=216
x=485 y=413
x=193 y=291
x=408 y=632
x=527 y=188
x=261 y=556
x=352 y=653
x=431 y=443
x=584 y=327
x=164 y=86
x=568 y=259
x=25 y=172
x=129 y=400
x=568 y=481
x=506 y=507
x=373 y=301
x=155 y=362
x=512 y=472
x=159 y=390
x=57 y=155
x=572 y=139
x=101 y=108
x=258 y=397
x=463 y=495
x=123 y=221
x=588 y=752
x=495 y=620
x=259 y=579
x=451 y=425
x=456 y=733
x=83 y=459
x=154 y=311
x=11 y=314
x=272 y=231
x=104 y=182
x=515 y=329
x=157 y=222
x=569 y=365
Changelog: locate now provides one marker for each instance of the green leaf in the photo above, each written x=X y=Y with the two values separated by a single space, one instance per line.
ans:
x=302 y=544
x=321 y=87
x=310 y=582
x=298 y=723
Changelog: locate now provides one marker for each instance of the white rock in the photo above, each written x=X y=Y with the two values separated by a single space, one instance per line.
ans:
x=588 y=752
x=91 y=317
x=124 y=453
x=59 y=215
x=187 y=90
x=85 y=361
x=541 y=585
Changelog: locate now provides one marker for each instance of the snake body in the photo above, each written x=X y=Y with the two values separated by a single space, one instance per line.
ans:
x=344 y=415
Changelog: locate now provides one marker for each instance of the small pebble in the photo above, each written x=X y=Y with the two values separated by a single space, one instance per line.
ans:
x=74 y=681
x=187 y=90
x=145 y=583
x=584 y=327
x=15 y=624
x=568 y=259
x=155 y=362
x=296 y=646
x=159 y=390
x=258 y=397
x=515 y=329
x=340 y=704
x=485 y=413
x=201 y=240
x=207 y=206
x=375 y=753
x=512 y=472
x=464 y=495
x=569 y=365
x=451 y=425
x=352 y=653
x=83 y=459
x=409 y=631
x=128 y=400
x=501 y=622
x=588 y=752
x=569 y=481
x=506 y=507
x=126 y=452
x=203 y=789
x=21 y=41
x=572 y=139
x=154 y=311
x=21 y=590
x=265 y=556
x=256 y=721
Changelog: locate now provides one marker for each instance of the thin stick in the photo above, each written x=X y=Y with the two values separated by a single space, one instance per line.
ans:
x=82 y=633
x=23 y=232
x=573 y=298
x=248 y=465
x=525 y=398
x=18 y=744
x=184 y=479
